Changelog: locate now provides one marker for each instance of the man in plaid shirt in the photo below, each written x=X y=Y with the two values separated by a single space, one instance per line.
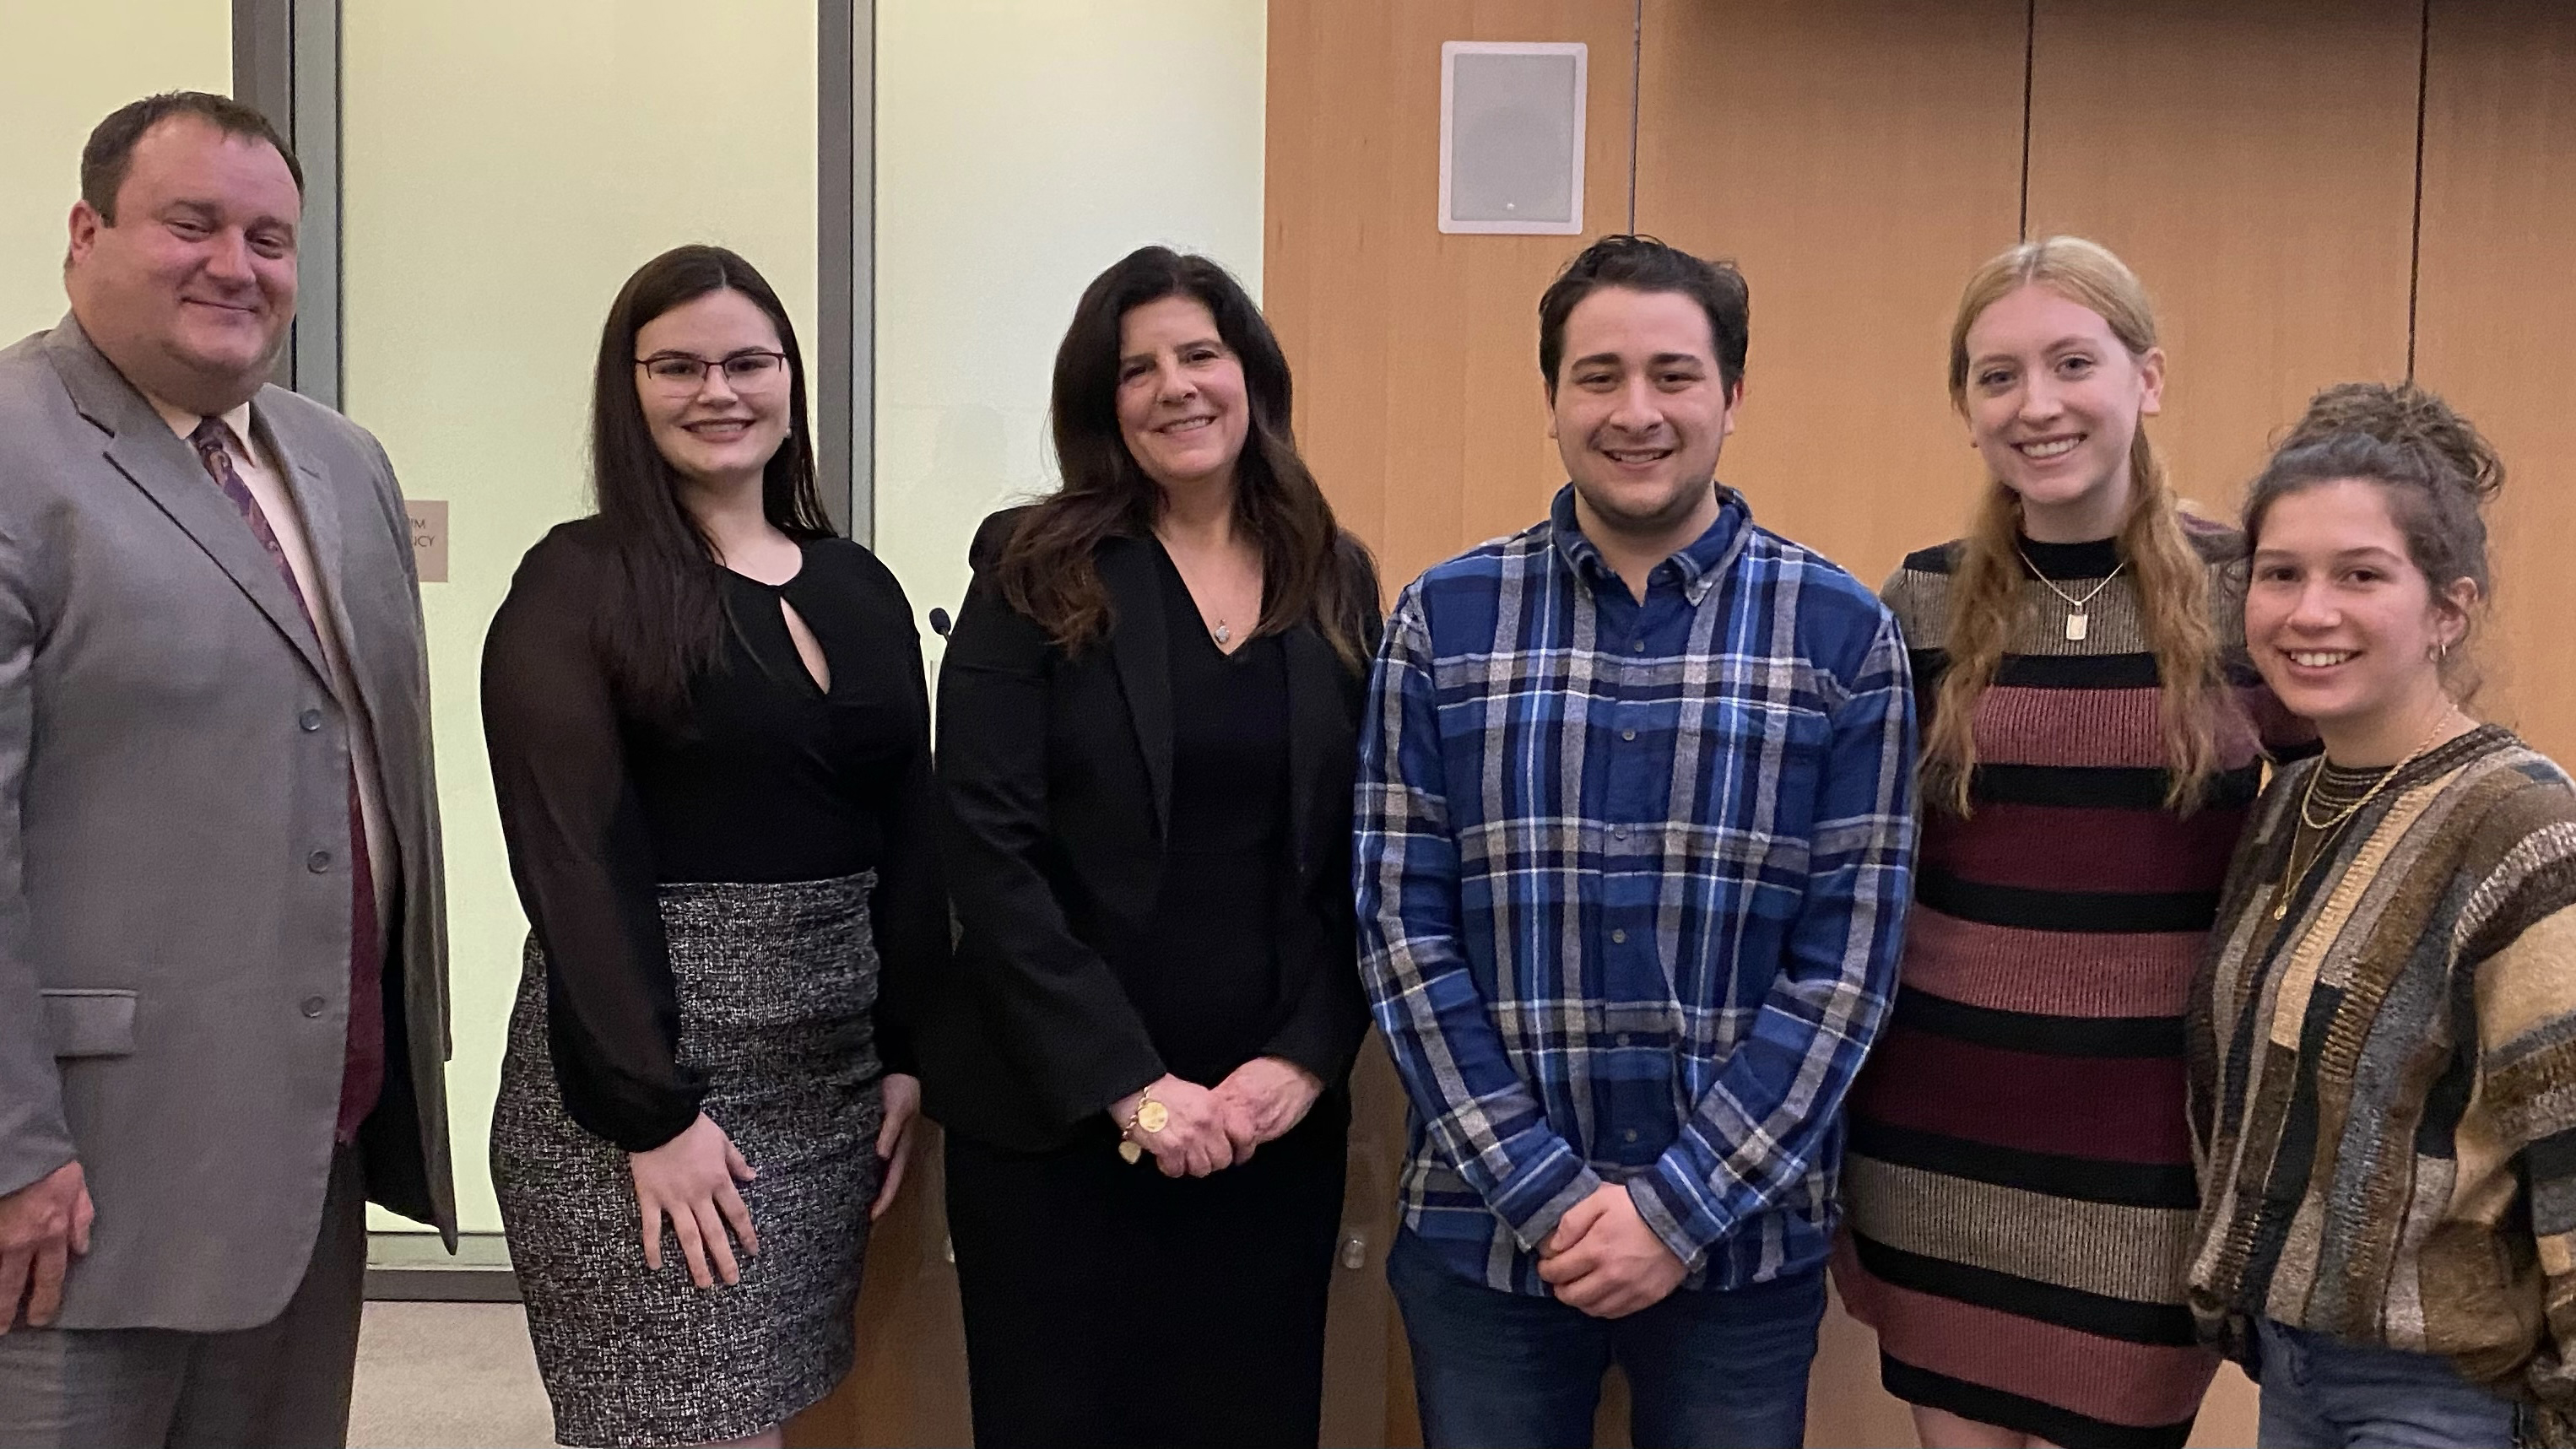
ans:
x=1636 y=815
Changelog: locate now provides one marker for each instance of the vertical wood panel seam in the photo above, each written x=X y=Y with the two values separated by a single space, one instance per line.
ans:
x=2415 y=241
x=1636 y=103
x=2029 y=83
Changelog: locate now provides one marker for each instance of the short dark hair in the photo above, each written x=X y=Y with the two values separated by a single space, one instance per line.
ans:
x=110 y=152
x=1644 y=264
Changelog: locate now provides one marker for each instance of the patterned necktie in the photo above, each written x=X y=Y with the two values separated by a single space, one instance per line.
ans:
x=362 y=1077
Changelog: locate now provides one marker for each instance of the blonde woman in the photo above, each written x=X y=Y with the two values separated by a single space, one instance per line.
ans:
x=2019 y=1181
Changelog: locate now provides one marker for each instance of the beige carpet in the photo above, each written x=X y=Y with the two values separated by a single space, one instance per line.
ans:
x=447 y=1374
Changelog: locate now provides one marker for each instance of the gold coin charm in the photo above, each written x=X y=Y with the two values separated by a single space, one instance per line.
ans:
x=1153 y=1116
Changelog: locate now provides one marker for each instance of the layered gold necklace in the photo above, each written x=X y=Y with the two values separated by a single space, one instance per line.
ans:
x=2295 y=870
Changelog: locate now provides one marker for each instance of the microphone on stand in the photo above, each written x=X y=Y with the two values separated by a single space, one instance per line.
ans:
x=940 y=622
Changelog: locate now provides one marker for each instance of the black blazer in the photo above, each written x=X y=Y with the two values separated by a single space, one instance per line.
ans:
x=1057 y=772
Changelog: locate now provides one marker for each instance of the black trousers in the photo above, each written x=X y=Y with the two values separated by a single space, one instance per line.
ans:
x=1109 y=1305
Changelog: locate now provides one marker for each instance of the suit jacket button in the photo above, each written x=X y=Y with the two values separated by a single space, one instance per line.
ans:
x=309 y=721
x=313 y=1005
x=318 y=862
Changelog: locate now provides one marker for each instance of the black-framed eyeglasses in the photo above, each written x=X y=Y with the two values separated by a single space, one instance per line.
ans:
x=685 y=372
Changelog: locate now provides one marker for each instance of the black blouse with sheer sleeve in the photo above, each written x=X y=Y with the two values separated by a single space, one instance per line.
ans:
x=774 y=779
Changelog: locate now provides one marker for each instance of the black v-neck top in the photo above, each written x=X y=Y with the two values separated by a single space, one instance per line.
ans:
x=1204 y=973
x=774 y=779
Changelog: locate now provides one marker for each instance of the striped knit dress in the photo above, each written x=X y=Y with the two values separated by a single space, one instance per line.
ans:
x=2018 y=1183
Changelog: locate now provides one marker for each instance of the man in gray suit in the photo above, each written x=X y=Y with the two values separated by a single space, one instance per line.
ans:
x=222 y=952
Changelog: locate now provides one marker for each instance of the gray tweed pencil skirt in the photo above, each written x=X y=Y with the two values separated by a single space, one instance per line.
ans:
x=774 y=983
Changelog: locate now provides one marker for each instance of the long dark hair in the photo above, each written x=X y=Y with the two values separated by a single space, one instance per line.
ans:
x=1310 y=569
x=666 y=621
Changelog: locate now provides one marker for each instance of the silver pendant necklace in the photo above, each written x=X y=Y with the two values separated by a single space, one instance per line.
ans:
x=1224 y=635
x=2078 y=623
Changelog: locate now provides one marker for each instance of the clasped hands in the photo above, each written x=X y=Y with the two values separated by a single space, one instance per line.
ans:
x=1213 y=1128
x=1604 y=1260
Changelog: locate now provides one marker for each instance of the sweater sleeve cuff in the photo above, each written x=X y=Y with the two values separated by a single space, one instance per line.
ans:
x=1317 y=1046
x=25 y=1165
x=1552 y=1187
x=1670 y=1211
x=1107 y=1084
x=895 y=1052
x=634 y=1119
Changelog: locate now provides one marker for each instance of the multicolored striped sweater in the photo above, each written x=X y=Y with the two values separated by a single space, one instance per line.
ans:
x=2383 y=1080
x=2018 y=1181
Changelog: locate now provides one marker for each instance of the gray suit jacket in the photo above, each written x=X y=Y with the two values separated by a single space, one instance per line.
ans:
x=174 y=887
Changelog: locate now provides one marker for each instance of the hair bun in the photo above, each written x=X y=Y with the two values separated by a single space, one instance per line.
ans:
x=2405 y=416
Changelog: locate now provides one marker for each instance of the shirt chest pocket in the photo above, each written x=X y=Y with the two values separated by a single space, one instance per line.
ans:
x=1731 y=763
x=1746 y=775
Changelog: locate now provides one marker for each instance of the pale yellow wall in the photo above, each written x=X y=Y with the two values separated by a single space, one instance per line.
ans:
x=63 y=67
x=508 y=165
x=1023 y=145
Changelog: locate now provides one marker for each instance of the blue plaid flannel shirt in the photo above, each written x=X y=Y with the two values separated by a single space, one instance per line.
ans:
x=1632 y=879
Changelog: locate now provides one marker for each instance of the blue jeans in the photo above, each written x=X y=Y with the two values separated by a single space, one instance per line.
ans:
x=1494 y=1370
x=2322 y=1394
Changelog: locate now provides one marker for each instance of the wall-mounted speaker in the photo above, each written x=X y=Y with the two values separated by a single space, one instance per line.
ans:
x=1511 y=137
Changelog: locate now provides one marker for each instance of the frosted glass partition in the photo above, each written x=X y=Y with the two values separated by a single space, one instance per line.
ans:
x=63 y=67
x=1022 y=147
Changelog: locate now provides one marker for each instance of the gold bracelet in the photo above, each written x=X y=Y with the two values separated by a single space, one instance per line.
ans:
x=1150 y=1116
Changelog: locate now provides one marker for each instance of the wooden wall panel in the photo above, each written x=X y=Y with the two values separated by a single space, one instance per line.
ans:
x=2254 y=160
x=2496 y=320
x=1857 y=158
x=1417 y=353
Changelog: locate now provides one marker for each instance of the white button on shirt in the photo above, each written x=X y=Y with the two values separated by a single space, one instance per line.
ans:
x=269 y=491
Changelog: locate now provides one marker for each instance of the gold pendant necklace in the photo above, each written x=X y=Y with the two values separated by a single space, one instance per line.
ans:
x=2078 y=623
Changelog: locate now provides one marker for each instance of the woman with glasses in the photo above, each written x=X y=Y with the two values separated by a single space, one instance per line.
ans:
x=710 y=743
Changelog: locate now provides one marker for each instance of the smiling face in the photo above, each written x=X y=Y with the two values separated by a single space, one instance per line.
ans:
x=1639 y=411
x=190 y=291
x=2052 y=402
x=2343 y=625
x=1181 y=405
x=719 y=428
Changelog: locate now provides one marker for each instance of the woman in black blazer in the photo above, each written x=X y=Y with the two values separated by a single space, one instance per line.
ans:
x=1147 y=726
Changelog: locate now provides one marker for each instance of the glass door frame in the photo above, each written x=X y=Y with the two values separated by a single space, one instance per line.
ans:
x=286 y=61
